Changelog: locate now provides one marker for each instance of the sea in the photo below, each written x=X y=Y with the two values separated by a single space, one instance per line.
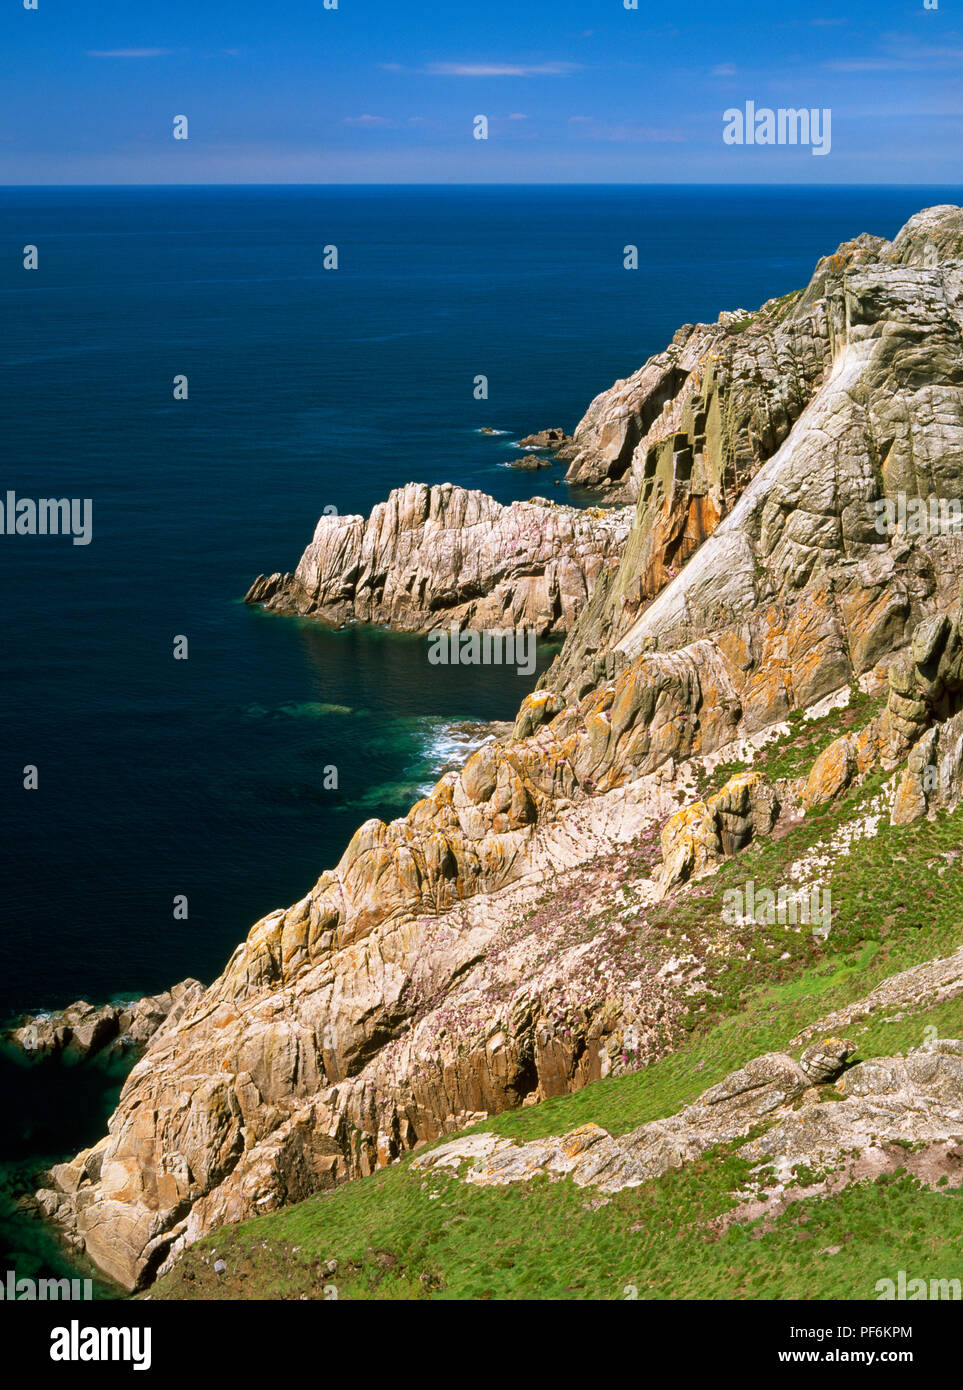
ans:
x=455 y=321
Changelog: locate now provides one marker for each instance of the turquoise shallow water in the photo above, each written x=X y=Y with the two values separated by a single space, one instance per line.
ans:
x=307 y=389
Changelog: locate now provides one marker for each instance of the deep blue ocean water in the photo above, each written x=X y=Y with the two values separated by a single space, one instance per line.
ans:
x=308 y=388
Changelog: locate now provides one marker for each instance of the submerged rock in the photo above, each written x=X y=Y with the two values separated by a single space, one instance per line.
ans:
x=530 y=463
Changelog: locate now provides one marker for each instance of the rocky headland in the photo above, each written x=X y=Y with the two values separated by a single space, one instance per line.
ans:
x=516 y=935
x=432 y=556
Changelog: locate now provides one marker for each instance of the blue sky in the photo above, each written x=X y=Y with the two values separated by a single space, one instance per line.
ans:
x=377 y=91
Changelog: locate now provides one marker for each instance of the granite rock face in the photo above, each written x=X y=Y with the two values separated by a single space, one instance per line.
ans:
x=444 y=969
x=396 y=1002
x=705 y=832
x=915 y=1099
x=921 y=725
x=782 y=437
x=432 y=556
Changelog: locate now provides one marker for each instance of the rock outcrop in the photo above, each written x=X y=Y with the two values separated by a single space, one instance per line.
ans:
x=922 y=719
x=705 y=832
x=561 y=444
x=915 y=1100
x=432 y=556
x=480 y=953
x=780 y=435
x=757 y=1093
x=82 y=1030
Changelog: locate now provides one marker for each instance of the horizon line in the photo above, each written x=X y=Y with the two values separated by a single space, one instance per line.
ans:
x=493 y=183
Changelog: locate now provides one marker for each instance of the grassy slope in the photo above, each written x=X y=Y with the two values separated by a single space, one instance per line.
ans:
x=897 y=901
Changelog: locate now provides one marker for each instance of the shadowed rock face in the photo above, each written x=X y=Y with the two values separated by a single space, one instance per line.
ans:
x=412 y=989
x=431 y=556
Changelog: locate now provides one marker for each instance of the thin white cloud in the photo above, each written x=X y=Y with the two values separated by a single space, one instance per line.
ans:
x=865 y=65
x=367 y=120
x=128 y=52
x=723 y=70
x=905 y=60
x=626 y=133
x=500 y=69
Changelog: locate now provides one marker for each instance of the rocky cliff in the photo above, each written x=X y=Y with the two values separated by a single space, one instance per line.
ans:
x=805 y=415
x=515 y=935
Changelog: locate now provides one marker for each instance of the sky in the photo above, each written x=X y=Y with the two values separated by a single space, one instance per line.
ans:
x=388 y=91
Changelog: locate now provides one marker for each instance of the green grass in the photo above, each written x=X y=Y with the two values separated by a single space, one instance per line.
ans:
x=769 y=316
x=403 y=1235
